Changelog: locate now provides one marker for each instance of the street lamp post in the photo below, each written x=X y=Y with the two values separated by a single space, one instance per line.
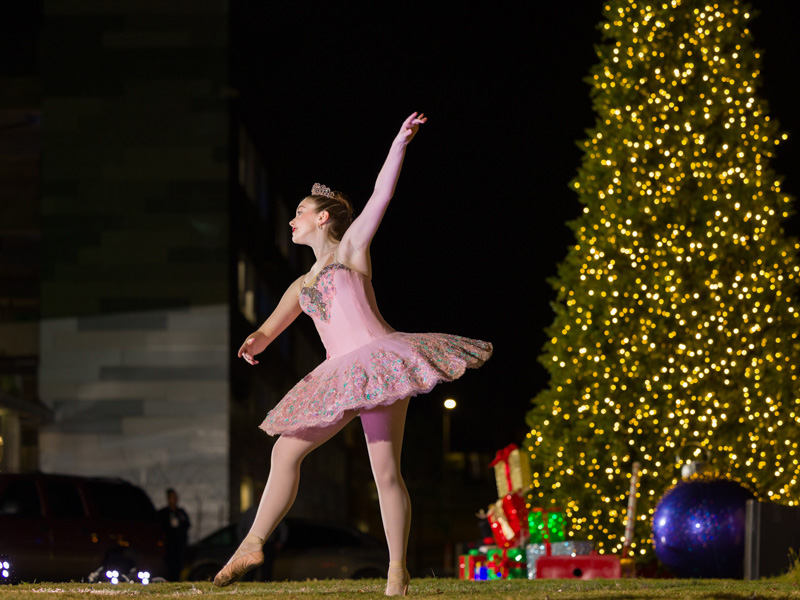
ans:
x=449 y=405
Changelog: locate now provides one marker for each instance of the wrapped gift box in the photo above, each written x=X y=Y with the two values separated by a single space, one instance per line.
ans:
x=470 y=564
x=511 y=471
x=507 y=518
x=547 y=525
x=592 y=566
x=534 y=552
x=506 y=563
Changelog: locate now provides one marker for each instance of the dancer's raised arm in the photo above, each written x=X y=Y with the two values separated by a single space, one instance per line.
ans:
x=359 y=235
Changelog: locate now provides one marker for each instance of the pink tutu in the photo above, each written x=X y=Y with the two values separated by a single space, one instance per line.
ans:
x=389 y=368
x=369 y=363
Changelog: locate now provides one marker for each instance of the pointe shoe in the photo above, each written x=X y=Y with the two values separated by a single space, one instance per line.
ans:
x=249 y=556
x=397 y=579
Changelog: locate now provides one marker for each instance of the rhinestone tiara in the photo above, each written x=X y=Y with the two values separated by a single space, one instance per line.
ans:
x=321 y=190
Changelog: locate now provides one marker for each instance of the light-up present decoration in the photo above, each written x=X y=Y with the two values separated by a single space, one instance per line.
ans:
x=511 y=471
x=469 y=564
x=547 y=525
x=506 y=518
x=506 y=563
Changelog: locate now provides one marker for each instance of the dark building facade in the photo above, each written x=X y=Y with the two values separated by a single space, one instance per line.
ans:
x=21 y=413
x=163 y=244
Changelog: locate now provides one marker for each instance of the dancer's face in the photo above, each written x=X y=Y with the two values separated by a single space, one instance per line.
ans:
x=304 y=222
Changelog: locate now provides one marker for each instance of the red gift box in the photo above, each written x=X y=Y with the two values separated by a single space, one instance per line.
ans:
x=588 y=566
x=506 y=518
x=516 y=512
x=468 y=565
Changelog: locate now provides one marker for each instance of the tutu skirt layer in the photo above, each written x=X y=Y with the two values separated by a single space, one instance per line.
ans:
x=381 y=372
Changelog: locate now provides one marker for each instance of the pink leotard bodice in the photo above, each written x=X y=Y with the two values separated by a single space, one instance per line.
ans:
x=342 y=303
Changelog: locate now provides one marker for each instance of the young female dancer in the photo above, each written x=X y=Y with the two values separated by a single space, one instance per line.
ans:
x=371 y=370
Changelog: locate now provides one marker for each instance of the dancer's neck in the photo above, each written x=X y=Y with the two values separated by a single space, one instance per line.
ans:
x=324 y=249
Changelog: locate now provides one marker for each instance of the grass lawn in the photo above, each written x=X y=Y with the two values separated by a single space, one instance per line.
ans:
x=626 y=589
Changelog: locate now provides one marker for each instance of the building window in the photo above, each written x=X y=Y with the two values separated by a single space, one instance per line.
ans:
x=246 y=164
x=262 y=193
x=246 y=493
x=252 y=174
x=246 y=279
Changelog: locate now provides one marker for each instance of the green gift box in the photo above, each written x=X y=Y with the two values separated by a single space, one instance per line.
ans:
x=547 y=525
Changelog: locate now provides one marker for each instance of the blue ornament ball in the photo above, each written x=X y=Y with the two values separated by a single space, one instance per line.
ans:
x=698 y=528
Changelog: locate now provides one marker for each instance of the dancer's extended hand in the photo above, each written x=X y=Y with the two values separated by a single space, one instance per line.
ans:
x=254 y=344
x=410 y=127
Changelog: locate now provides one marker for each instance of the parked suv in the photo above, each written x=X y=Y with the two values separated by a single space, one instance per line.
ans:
x=60 y=527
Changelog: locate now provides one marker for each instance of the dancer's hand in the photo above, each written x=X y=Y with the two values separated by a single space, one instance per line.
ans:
x=410 y=127
x=254 y=344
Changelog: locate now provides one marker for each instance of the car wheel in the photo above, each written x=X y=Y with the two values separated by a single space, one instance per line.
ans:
x=368 y=573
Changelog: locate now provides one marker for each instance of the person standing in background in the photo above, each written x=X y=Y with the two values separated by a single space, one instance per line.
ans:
x=175 y=523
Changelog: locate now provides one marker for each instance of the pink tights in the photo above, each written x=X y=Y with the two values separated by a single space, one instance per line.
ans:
x=383 y=428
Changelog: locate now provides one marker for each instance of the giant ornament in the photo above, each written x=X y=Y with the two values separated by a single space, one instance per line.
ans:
x=699 y=526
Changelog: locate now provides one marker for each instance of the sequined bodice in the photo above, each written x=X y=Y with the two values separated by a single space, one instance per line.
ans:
x=342 y=303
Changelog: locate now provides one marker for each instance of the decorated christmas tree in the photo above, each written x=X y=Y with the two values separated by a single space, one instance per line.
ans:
x=676 y=318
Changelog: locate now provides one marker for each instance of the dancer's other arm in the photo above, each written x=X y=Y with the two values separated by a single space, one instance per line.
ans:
x=355 y=243
x=288 y=310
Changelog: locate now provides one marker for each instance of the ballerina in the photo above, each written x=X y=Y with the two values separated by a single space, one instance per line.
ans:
x=370 y=371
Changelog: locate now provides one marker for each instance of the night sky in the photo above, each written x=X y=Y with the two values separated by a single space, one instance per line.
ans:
x=478 y=221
